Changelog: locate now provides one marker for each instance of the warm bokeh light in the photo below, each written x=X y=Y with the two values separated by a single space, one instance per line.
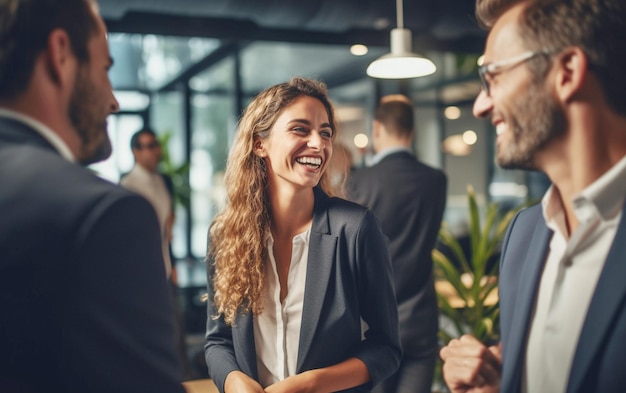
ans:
x=456 y=146
x=480 y=60
x=508 y=189
x=358 y=49
x=452 y=112
x=361 y=141
x=470 y=137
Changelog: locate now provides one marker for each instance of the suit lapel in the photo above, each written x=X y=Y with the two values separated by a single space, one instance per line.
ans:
x=524 y=302
x=606 y=301
x=319 y=265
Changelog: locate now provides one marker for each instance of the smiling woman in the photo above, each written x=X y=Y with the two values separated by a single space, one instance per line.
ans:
x=303 y=263
x=303 y=132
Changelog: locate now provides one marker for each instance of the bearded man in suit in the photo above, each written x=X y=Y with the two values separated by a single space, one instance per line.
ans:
x=84 y=299
x=553 y=86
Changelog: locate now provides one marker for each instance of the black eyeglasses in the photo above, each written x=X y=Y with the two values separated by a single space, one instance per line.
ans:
x=151 y=145
x=487 y=71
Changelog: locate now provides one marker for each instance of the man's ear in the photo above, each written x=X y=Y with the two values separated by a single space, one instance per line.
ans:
x=376 y=125
x=61 y=61
x=573 y=67
x=259 y=148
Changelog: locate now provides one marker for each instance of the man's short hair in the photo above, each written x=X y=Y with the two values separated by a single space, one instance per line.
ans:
x=24 y=29
x=134 y=140
x=598 y=27
x=396 y=114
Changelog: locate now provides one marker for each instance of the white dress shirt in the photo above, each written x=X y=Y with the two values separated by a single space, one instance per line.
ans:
x=152 y=187
x=42 y=130
x=277 y=328
x=569 y=278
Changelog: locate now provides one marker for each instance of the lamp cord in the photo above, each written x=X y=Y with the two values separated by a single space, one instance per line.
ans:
x=399 y=14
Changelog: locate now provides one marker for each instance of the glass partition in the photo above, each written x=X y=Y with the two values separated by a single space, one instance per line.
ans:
x=213 y=121
x=167 y=118
x=147 y=62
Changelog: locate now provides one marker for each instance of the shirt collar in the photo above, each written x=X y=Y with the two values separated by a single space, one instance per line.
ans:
x=605 y=194
x=42 y=130
x=302 y=237
x=387 y=152
x=143 y=172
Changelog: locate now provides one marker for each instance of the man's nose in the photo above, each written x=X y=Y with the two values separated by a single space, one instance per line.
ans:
x=482 y=105
x=115 y=105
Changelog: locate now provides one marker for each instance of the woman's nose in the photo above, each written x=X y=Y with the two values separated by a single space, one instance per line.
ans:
x=316 y=140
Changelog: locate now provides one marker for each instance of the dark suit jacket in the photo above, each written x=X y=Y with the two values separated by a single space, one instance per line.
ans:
x=600 y=356
x=408 y=198
x=348 y=277
x=83 y=296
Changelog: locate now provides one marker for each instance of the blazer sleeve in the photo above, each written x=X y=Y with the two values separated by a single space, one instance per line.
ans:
x=219 y=350
x=380 y=350
x=118 y=322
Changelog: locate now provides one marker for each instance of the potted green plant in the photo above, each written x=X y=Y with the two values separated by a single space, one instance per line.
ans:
x=178 y=173
x=468 y=296
x=467 y=283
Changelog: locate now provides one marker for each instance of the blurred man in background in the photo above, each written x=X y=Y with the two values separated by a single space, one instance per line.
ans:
x=409 y=198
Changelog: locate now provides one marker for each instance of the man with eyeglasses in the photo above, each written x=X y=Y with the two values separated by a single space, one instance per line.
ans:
x=554 y=87
x=145 y=179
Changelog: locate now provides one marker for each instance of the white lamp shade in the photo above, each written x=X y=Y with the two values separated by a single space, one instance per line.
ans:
x=401 y=63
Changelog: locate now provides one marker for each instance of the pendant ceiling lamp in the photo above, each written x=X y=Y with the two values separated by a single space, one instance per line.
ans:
x=401 y=63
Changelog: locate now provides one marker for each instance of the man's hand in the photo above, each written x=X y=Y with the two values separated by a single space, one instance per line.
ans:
x=471 y=367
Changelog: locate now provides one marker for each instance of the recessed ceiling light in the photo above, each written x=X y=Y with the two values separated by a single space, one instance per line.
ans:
x=361 y=141
x=470 y=137
x=358 y=49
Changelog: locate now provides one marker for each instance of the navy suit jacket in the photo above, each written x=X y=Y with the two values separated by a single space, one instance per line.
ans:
x=348 y=278
x=408 y=197
x=600 y=355
x=84 y=303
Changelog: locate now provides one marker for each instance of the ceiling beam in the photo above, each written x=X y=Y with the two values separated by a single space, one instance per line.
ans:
x=246 y=30
x=234 y=29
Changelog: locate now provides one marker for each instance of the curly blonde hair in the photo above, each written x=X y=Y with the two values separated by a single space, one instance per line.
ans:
x=237 y=235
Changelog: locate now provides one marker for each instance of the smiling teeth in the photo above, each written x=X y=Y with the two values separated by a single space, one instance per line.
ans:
x=309 y=160
x=500 y=128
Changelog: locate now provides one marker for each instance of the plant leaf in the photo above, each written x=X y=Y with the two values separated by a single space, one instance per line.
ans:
x=448 y=240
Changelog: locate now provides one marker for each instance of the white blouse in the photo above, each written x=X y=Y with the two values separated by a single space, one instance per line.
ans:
x=277 y=328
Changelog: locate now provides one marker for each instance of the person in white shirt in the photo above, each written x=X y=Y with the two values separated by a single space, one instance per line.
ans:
x=293 y=270
x=553 y=86
x=146 y=180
